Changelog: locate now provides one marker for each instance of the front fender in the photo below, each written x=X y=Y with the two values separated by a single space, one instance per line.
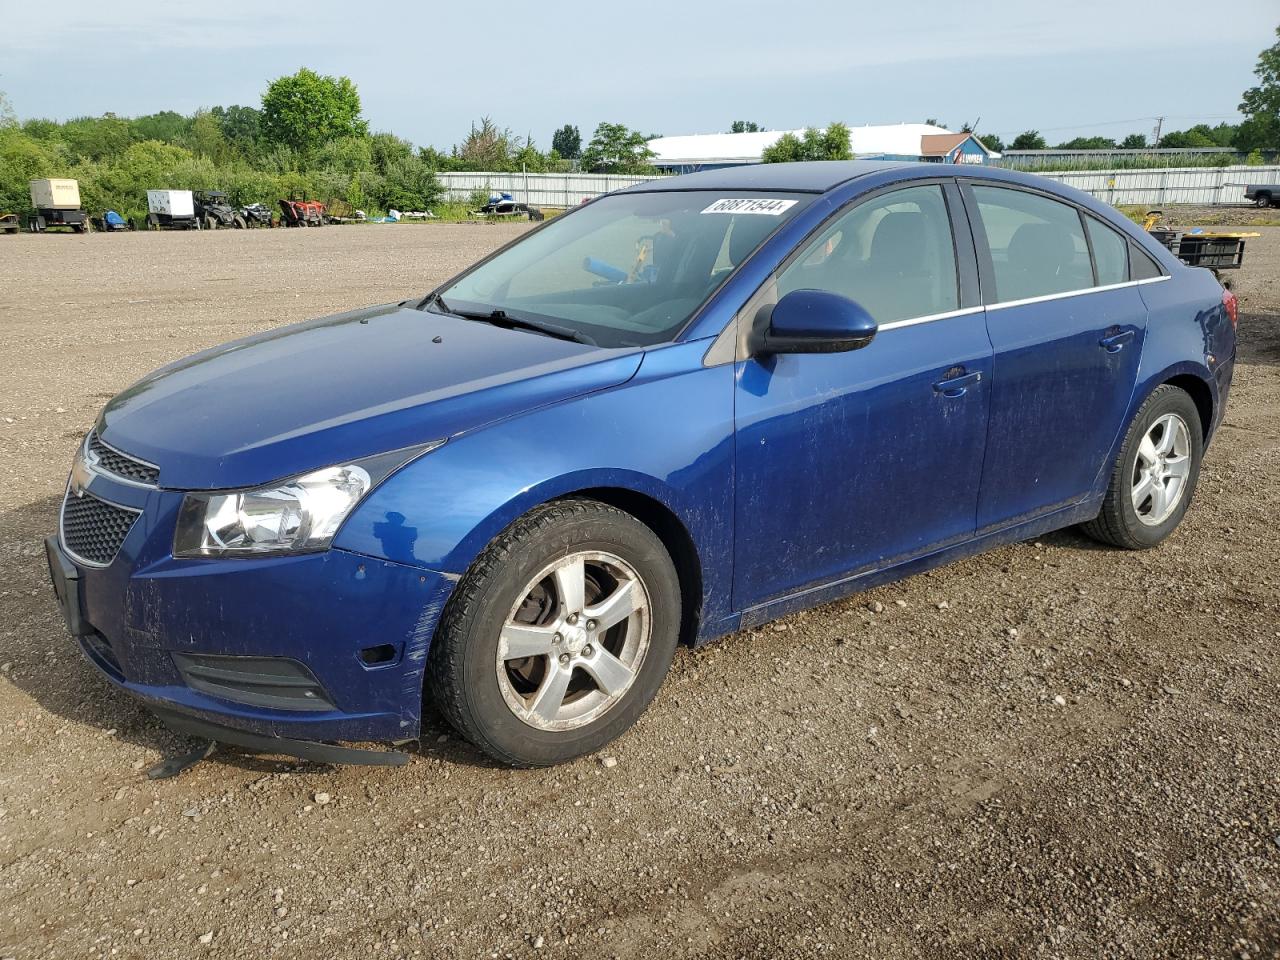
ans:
x=666 y=434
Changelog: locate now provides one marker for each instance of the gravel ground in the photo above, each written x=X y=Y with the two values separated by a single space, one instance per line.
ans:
x=1051 y=750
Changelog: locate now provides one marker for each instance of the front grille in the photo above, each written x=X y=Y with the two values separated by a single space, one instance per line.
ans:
x=122 y=465
x=92 y=529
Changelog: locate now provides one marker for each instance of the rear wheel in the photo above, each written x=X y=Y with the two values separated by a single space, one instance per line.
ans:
x=1262 y=200
x=239 y=222
x=559 y=636
x=1155 y=477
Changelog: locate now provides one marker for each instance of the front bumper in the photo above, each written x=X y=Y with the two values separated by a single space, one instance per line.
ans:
x=144 y=618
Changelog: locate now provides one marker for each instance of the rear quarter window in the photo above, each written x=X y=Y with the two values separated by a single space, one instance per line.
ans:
x=1110 y=253
x=1141 y=264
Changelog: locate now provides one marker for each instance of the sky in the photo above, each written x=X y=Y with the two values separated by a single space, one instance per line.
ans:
x=427 y=71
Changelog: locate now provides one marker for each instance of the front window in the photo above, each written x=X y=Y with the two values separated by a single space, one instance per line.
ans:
x=627 y=270
x=893 y=254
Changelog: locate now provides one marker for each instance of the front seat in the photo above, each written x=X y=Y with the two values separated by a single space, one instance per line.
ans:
x=897 y=280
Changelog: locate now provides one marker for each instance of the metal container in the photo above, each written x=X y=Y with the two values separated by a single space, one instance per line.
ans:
x=55 y=194
x=171 y=203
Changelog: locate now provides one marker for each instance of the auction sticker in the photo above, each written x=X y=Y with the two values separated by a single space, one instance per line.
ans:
x=763 y=205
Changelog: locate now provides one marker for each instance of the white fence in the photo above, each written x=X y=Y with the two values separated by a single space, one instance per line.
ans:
x=537 y=189
x=1203 y=185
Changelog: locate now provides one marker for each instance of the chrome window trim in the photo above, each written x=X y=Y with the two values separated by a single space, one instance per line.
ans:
x=1072 y=293
x=912 y=321
x=719 y=354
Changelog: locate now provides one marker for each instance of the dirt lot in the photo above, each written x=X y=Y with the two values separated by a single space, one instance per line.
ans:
x=889 y=776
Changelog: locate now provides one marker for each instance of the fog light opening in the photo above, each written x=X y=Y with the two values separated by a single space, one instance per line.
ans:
x=374 y=656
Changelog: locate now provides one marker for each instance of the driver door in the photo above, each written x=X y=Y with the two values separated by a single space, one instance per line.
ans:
x=851 y=462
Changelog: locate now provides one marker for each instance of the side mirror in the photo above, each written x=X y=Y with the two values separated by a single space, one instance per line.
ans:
x=812 y=321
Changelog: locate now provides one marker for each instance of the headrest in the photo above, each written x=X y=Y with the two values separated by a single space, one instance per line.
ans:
x=898 y=240
x=1040 y=248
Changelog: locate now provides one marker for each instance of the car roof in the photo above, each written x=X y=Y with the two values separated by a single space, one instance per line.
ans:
x=815 y=176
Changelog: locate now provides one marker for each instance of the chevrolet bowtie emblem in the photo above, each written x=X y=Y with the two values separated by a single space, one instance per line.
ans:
x=81 y=476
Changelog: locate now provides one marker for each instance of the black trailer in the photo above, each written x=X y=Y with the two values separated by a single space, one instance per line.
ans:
x=45 y=218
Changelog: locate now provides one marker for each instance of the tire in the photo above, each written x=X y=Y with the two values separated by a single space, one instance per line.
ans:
x=507 y=707
x=238 y=222
x=1262 y=200
x=1143 y=524
x=210 y=223
x=153 y=222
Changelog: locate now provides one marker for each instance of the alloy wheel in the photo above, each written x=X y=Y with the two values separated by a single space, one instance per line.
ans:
x=574 y=641
x=1161 y=469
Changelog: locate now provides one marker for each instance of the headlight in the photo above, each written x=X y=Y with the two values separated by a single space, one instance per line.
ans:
x=296 y=516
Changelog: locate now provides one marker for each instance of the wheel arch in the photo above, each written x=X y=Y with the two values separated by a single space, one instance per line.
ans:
x=1201 y=394
x=675 y=536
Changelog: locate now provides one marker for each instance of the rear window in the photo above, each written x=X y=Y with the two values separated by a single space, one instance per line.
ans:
x=1037 y=245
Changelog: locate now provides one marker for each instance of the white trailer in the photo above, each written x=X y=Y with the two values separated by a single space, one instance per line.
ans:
x=172 y=209
x=57 y=204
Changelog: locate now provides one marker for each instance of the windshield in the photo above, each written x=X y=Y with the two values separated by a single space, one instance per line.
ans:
x=627 y=270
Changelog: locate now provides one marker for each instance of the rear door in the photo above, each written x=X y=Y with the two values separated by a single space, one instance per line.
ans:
x=1067 y=325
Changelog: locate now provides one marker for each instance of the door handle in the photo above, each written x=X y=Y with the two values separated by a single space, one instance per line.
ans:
x=1114 y=343
x=957 y=383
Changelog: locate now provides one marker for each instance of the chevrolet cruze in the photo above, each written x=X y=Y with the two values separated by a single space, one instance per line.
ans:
x=686 y=408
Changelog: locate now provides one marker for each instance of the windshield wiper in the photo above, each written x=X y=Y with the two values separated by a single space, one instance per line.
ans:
x=500 y=318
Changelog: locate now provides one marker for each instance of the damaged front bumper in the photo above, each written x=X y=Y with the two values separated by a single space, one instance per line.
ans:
x=282 y=654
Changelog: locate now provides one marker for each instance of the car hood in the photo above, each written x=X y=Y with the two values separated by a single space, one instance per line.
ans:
x=343 y=387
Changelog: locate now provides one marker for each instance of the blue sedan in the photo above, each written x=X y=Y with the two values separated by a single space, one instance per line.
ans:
x=681 y=410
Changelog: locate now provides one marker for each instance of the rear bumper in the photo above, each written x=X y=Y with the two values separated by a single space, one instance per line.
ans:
x=280 y=645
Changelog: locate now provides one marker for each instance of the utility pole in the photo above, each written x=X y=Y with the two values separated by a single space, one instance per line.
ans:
x=1159 y=124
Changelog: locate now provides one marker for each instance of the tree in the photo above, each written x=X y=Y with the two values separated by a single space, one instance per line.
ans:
x=991 y=142
x=95 y=138
x=1186 y=139
x=1087 y=143
x=1028 y=140
x=1261 y=104
x=241 y=126
x=567 y=142
x=409 y=184
x=306 y=109
x=486 y=147
x=8 y=119
x=1134 y=141
x=829 y=144
x=744 y=126
x=385 y=150
x=616 y=148
x=205 y=137
x=167 y=125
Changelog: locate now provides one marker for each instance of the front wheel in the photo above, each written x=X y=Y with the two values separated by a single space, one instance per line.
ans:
x=559 y=636
x=1155 y=476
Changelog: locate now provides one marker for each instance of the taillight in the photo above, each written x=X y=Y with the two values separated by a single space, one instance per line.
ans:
x=1231 y=305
